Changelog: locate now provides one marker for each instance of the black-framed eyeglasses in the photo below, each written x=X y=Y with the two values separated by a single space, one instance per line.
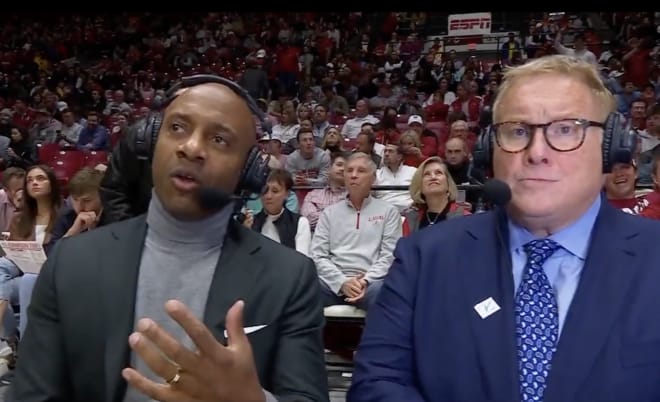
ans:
x=561 y=135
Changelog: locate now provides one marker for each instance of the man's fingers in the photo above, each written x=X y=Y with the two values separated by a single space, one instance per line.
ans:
x=155 y=391
x=200 y=335
x=234 y=323
x=348 y=291
x=355 y=299
x=154 y=359
x=173 y=349
x=355 y=287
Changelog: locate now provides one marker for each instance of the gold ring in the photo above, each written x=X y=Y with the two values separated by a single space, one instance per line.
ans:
x=176 y=378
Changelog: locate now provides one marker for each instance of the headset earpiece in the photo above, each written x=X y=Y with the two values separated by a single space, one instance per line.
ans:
x=619 y=144
x=256 y=169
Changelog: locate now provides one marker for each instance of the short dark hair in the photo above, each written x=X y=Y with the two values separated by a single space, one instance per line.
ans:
x=655 y=110
x=455 y=116
x=371 y=137
x=282 y=177
x=303 y=131
x=398 y=147
x=338 y=154
x=367 y=124
x=11 y=173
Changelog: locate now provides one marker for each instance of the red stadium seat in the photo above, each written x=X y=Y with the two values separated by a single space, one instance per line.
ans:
x=93 y=158
x=350 y=144
x=47 y=152
x=65 y=165
x=337 y=119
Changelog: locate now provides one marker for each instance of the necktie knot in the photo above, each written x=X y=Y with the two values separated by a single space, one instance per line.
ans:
x=540 y=250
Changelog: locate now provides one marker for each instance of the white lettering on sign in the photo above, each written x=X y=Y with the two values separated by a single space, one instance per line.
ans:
x=469 y=24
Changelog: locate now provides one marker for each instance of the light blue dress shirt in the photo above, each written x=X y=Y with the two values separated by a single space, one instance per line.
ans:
x=564 y=267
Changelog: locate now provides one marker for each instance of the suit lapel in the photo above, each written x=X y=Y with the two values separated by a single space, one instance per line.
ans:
x=604 y=282
x=485 y=274
x=120 y=266
x=234 y=277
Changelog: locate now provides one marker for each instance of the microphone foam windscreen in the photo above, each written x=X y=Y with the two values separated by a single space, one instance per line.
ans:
x=497 y=192
x=213 y=199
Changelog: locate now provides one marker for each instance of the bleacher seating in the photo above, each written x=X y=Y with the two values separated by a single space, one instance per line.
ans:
x=65 y=165
x=47 y=152
x=93 y=158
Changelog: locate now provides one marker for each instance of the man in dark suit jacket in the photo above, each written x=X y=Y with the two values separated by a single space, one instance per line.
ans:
x=97 y=322
x=551 y=299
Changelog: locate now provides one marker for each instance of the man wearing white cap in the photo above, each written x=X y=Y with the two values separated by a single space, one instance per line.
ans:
x=273 y=146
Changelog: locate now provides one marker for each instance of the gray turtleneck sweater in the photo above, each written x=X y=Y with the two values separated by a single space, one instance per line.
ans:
x=178 y=262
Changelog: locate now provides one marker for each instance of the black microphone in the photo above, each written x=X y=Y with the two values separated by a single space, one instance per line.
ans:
x=486 y=117
x=497 y=192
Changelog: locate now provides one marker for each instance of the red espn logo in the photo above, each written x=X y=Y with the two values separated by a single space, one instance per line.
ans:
x=469 y=23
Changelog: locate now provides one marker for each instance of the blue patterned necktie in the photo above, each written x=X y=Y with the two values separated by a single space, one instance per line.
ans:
x=537 y=321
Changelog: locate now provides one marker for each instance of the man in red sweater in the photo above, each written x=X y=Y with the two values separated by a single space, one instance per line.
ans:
x=620 y=188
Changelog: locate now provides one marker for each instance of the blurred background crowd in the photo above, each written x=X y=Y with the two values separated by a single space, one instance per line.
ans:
x=401 y=87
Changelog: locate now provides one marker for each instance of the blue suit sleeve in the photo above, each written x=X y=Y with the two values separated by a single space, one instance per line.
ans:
x=384 y=370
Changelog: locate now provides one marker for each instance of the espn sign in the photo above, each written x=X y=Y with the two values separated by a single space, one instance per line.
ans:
x=469 y=24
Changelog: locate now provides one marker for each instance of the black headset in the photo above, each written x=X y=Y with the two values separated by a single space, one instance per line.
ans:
x=254 y=172
x=619 y=143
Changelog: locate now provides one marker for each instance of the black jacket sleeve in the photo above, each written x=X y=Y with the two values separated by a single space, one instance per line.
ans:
x=43 y=375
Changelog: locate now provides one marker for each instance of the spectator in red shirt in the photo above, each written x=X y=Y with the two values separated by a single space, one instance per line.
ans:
x=620 y=188
x=287 y=65
x=469 y=104
x=637 y=61
x=23 y=117
x=388 y=133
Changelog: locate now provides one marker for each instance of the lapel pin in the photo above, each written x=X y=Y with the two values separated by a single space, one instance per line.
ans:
x=486 y=307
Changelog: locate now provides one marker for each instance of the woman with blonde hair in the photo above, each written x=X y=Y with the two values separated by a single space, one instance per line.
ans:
x=304 y=112
x=411 y=147
x=434 y=195
x=333 y=141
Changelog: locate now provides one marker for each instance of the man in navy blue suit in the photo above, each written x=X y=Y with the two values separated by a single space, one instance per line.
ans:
x=553 y=298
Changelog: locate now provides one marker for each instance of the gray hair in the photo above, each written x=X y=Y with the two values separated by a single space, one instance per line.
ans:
x=362 y=155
